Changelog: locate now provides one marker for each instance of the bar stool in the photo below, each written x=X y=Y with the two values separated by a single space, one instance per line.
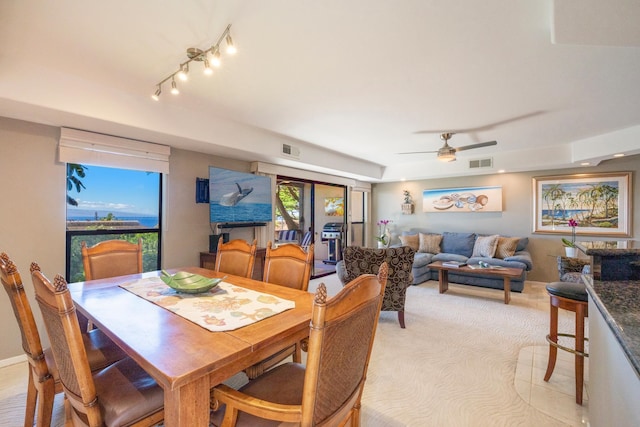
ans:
x=572 y=297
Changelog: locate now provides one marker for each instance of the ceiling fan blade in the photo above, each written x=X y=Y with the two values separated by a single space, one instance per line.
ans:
x=481 y=144
x=418 y=152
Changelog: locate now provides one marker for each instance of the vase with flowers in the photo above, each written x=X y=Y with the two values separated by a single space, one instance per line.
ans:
x=570 y=245
x=383 y=233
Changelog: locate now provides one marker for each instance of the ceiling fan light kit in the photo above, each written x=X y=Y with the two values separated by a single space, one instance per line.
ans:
x=447 y=153
x=199 y=55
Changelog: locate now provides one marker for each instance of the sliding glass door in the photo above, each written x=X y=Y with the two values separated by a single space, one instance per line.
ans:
x=304 y=211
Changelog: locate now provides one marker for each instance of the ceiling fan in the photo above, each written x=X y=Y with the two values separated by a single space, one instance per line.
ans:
x=447 y=153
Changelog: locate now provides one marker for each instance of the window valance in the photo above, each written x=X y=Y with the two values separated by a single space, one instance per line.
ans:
x=88 y=148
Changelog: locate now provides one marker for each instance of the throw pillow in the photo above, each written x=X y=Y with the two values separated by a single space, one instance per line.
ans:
x=506 y=247
x=485 y=246
x=458 y=243
x=430 y=243
x=411 y=240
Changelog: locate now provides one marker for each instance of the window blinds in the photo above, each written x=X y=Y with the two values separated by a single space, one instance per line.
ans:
x=88 y=148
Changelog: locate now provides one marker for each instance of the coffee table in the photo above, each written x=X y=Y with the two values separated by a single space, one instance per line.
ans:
x=505 y=272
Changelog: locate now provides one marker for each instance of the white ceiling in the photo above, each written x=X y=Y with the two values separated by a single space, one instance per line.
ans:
x=348 y=82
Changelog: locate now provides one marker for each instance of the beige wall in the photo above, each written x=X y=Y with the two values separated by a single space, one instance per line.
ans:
x=514 y=220
x=33 y=209
x=32 y=214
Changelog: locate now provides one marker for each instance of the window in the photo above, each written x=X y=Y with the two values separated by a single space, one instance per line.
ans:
x=108 y=203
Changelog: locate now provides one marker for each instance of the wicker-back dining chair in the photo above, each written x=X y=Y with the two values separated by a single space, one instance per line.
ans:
x=111 y=258
x=44 y=383
x=236 y=257
x=286 y=265
x=122 y=394
x=329 y=390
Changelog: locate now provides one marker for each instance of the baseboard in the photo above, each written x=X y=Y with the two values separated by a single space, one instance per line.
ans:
x=13 y=360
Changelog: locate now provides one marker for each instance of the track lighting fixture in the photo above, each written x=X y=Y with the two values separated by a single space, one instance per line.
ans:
x=196 y=54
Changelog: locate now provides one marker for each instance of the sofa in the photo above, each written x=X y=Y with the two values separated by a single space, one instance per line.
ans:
x=470 y=248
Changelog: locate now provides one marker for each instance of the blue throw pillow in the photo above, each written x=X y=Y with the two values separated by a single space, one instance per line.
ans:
x=522 y=244
x=458 y=243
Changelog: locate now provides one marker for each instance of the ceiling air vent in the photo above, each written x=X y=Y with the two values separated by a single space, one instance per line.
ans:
x=290 y=151
x=481 y=163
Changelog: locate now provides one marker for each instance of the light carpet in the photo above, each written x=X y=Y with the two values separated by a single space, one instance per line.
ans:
x=453 y=365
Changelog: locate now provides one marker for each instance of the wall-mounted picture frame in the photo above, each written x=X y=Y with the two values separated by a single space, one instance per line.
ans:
x=334 y=206
x=463 y=199
x=600 y=203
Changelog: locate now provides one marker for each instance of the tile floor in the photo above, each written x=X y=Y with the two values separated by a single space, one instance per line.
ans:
x=556 y=398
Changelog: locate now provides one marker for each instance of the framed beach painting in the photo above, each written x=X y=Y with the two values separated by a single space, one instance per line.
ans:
x=463 y=199
x=334 y=206
x=600 y=203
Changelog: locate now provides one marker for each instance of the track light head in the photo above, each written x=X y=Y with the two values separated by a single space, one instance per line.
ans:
x=207 y=67
x=174 y=87
x=215 y=60
x=156 y=95
x=231 y=49
x=182 y=74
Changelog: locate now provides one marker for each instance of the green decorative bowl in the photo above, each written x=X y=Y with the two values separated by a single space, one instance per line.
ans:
x=189 y=283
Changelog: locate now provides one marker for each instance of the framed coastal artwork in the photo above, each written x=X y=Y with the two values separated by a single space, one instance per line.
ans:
x=334 y=206
x=463 y=199
x=600 y=203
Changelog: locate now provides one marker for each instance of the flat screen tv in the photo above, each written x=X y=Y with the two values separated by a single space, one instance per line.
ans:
x=239 y=197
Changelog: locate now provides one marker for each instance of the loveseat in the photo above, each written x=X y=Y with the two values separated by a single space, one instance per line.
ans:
x=470 y=248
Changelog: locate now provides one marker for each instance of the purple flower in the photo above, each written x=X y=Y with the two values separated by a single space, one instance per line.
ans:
x=573 y=224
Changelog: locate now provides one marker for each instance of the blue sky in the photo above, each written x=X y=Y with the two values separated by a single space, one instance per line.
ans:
x=117 y=191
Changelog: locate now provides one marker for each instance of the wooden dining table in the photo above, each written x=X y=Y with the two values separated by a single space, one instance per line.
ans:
x=187 y=360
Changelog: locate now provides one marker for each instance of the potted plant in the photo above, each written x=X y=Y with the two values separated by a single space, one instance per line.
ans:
x=383 y=234
x=570 y=245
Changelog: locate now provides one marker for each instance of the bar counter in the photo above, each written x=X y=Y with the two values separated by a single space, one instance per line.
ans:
x=613 y=285
x=619 y=304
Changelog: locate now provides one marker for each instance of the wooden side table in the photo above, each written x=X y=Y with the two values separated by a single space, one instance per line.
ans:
x=208 y=260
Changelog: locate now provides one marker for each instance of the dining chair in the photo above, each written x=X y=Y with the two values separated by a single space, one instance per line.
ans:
x=329 y=390
x=286 y=265
x=110 y=258
x=44 y=383
x=121 y=394
x=236 y=257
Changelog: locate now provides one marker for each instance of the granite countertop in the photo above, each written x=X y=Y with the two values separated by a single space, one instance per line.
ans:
x=619 y=303
x=610 y=248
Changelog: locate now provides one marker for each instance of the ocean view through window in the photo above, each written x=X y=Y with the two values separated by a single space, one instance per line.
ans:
x=109 y=203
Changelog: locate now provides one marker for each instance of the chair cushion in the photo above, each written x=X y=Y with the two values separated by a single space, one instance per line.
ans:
x=282 y=384
x=127 y=393
x=569 y=290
